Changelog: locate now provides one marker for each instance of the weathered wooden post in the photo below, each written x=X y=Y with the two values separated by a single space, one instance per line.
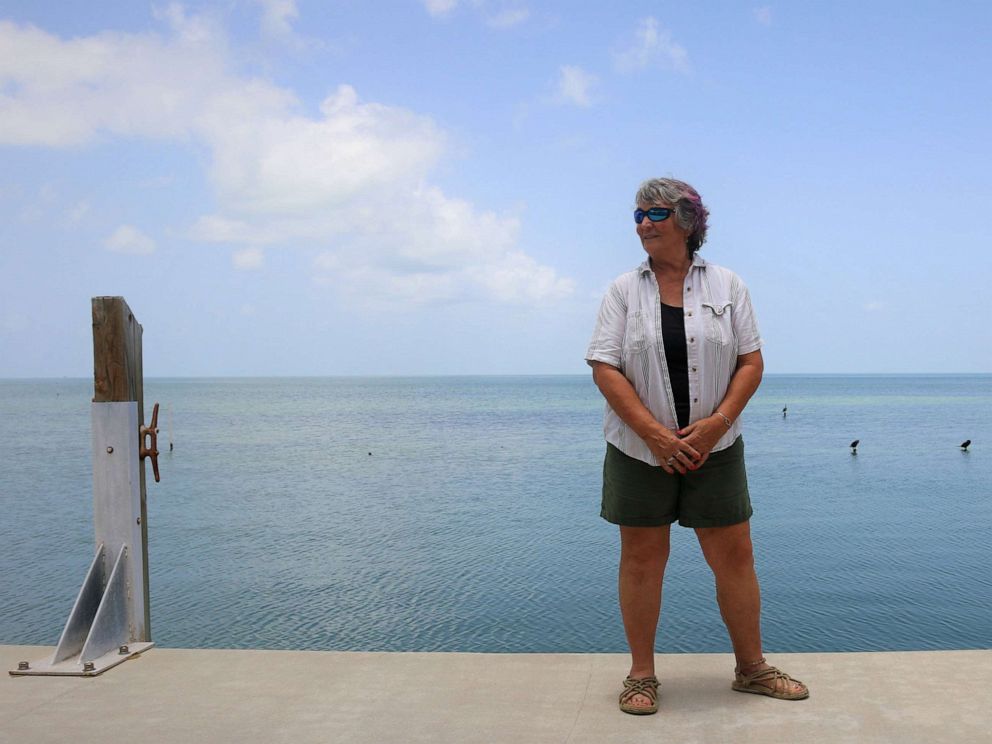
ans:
x=110 y=620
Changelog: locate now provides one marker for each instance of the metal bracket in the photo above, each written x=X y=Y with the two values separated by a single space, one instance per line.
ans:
x=107 y=623
x=96 y=636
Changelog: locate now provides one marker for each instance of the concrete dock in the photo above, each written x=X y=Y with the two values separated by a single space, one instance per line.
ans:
x=217 y=696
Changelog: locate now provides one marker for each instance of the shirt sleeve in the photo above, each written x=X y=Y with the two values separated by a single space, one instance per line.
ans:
x=745 y=322
x=611 y=323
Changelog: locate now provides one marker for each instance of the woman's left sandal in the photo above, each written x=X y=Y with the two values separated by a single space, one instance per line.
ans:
x=648 y=687
x=768 y=679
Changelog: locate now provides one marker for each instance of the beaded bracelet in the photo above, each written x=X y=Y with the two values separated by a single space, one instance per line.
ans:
x=726 y=420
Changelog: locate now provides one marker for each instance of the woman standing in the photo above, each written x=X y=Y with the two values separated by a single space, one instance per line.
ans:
x=676 y=353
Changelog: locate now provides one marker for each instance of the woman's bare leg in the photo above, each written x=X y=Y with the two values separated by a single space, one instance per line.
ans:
x=643 y=556
x=730 y=555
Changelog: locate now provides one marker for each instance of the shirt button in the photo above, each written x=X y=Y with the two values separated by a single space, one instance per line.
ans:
x=688 y=289
x=693 y=369
x=695 y=400
x=692 y=340
x=689 y=313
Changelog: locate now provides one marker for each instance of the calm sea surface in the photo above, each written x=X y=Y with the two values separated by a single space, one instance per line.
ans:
x=462 y=514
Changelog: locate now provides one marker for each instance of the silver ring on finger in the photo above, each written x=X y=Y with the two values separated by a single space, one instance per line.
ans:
x=670 y=460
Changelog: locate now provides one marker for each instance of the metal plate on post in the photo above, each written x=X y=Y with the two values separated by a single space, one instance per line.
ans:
x=117 y=499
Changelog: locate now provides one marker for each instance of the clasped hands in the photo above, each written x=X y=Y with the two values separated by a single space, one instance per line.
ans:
x=688 y=448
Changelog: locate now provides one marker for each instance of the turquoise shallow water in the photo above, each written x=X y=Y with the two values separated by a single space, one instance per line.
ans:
x=473 y=524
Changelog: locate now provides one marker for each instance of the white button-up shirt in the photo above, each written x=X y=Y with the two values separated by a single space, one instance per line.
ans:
x=719 y=326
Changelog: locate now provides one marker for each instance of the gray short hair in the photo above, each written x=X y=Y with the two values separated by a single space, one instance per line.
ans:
x=690 y=211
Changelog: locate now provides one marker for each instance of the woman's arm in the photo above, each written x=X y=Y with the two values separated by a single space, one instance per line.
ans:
x=623 y=399
x=705 y=433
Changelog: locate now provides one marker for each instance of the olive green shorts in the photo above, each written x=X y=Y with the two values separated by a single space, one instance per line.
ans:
x=636 y=494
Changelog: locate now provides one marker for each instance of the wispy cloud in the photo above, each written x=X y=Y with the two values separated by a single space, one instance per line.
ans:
x=276 y=24
x=652 y=45
x=438 y=8
x=281 y=176
x=78 y=211
x=763 y=15
x=248 y=258
x=574 y=85
x=508 y=17
x=128 y=239
x=278 y=17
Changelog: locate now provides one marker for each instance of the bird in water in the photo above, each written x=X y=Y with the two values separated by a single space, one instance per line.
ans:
x=854 y=446
x=964 y=445
x=785 y=410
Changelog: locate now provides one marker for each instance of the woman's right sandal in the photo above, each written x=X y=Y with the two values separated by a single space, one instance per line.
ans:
x=648 y=687
x=770 y=676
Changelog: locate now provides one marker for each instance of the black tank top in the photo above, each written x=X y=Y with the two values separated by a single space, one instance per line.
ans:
x=677 y=356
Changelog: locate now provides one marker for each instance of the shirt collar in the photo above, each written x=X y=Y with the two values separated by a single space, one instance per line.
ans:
x=697 y=260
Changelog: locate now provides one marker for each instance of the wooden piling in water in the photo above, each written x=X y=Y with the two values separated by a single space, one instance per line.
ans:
x=117 y=377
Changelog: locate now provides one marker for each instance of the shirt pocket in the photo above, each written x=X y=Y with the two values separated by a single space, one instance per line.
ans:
x=635 y=337
x=717 y=322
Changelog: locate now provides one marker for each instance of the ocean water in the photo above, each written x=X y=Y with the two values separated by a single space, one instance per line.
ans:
x=461 y=514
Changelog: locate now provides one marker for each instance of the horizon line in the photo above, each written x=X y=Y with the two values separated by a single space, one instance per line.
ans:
x=484 y=374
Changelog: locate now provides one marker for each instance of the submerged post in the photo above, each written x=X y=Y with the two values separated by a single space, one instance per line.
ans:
x=110 y=619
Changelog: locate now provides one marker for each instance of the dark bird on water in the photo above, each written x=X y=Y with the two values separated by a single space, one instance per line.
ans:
x=854 y=446
x=964 y=444
x=785 y=409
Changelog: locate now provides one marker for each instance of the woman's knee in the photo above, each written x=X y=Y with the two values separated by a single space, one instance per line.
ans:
x=644 y=548
x=727 y=548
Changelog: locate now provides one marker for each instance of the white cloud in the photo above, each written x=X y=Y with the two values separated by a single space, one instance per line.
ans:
x=763 y=15
x=508 y=17
x=280 y=176
x=280 y=162
x=128 y=239
x=278 y=17
x=248 y=258
x=517 y=277
x=513 y=278
x=196 y=29
x=574 y=85
x=276 y=24
x=440 y=7
x=65 y=93
x=652 y=44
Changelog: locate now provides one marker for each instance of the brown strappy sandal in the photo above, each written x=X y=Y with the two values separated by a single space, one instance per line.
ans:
x=648 y=687
x=745 y=683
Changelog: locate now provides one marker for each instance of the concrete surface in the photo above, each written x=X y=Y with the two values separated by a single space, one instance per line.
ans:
x=208 y=696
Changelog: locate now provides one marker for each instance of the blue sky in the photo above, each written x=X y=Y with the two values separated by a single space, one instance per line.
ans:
x=445 y=186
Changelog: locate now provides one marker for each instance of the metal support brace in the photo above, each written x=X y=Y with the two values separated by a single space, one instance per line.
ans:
x=107 y=623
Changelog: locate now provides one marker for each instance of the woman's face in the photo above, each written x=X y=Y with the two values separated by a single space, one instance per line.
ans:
x=655 y=235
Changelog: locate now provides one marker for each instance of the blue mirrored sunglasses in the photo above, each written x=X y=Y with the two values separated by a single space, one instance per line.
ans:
x=655 y=214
